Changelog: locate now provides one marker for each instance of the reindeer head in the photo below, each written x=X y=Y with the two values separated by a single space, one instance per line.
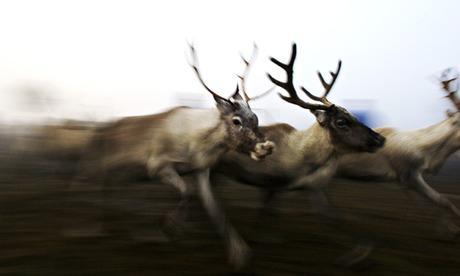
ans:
x=345 y=130
x=450 y=85
x=241 y=122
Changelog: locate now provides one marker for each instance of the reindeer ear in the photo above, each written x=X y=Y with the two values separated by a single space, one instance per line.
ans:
x=236 y=96
x=332 y=110
x=321 y=117
x=224 y=106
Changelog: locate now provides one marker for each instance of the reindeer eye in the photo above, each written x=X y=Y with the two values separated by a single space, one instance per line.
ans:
x=340 y=123
x=237 y=121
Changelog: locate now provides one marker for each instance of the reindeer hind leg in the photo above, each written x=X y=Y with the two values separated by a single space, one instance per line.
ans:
x=440 y=200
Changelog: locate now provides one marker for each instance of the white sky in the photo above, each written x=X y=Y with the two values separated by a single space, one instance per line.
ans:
x=96 y=59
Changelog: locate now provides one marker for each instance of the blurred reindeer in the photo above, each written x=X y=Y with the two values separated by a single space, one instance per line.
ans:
x=65 y=141
x=58 y=145
x=407 y=155
x=183 y=141
x=304 y=159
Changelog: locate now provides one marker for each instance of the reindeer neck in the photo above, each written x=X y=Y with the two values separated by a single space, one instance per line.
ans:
x=315 y=143
x=216 y=136
x=432 y=138
x=219 y=134
x=203 y=131
x=434 y=141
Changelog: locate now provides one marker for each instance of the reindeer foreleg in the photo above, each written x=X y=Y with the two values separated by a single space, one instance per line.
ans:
x=238 y=250
x=169 y=176
x=335 y=219
x=315 y=180
x=315 y=183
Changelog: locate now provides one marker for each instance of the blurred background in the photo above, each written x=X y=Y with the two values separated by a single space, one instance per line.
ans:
x=66 y=66
x=93 y=60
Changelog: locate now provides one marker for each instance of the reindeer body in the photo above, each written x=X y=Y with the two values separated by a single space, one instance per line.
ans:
x=303 y=159
x=409 y=154
x=406 y=156
x=423 y=150
x=185 y=138
x=61 y=142
x=177 y=142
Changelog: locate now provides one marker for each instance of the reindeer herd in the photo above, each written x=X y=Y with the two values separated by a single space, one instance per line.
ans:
x=226 y=141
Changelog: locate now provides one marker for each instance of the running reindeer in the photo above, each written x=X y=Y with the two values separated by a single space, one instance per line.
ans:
x=407 y=155
x=186 y=141
x=304 y=159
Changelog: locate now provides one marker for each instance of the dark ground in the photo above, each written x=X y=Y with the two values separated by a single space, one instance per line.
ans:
x=49 y=229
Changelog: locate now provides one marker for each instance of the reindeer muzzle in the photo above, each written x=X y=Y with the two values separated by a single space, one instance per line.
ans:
x=376 y=142
x=262 y=150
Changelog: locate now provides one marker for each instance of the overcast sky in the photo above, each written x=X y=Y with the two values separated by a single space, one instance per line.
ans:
x=97 y=59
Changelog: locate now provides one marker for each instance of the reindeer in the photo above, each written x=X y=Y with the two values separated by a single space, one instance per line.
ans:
x=65 y=140
x=407 y=155
x=304 y=159
x=182 y=141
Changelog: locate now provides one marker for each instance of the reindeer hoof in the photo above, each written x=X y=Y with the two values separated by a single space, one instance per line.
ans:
x=239 y=254
x=453 y=228
x=447 y=230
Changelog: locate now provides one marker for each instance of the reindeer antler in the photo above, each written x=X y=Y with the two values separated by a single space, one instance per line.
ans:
x=289 y=85
x=327 y=86
x=445 y=82
x=194 y=65
x=243 y=78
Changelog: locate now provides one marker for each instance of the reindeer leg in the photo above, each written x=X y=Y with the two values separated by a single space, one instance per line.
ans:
x=316 y=180
x=267 y=215
x=424 y=189
x=440 y=200
x=93 y=223
x=268 y=201
x=238 y=250
x=364 y=246
x=315 y=183
x=169 y=176
x=321 y=205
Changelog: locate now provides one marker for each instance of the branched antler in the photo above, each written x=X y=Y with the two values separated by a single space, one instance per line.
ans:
x=327 y=86
x=289 y=85
x=194 y=65
x=243 y=78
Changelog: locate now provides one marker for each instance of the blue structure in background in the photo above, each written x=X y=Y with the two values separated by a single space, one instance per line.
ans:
x=364 y=116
